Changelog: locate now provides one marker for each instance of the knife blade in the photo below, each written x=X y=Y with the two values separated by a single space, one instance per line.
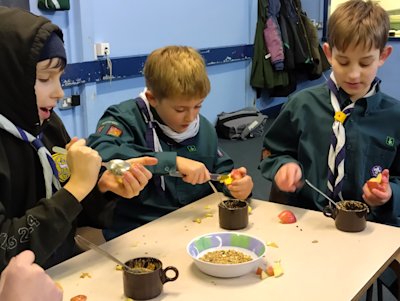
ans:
x=214 y=176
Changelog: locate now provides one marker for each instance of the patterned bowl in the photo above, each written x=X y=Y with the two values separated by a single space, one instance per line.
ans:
x=244 y=243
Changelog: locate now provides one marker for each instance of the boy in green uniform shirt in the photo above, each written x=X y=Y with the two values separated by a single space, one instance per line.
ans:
x=338 y=135
x=164 y=122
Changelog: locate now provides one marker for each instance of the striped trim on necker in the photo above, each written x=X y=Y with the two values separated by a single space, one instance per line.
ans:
x=49 y=168
x=337 y=150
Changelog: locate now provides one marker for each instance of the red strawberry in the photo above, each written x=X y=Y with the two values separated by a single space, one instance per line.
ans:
x=287 y=217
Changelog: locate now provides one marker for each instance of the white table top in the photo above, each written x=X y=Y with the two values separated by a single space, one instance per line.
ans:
x=319 y=261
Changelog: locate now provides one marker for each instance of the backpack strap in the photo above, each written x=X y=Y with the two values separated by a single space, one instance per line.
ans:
x=249 y=128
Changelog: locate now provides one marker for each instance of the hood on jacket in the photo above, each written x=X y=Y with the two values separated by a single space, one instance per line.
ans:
x=22 y=37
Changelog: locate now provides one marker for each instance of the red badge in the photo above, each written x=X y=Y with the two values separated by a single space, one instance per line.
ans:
x=114 y=131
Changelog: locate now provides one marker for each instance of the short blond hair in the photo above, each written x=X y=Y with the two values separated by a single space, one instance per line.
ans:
x=358 y=23
x=176 y=71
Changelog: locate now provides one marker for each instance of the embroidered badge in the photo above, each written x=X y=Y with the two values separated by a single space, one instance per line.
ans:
x=375 y=170
x=61 y=164
x=114 y=131
x=191 y=148
x=389 y=141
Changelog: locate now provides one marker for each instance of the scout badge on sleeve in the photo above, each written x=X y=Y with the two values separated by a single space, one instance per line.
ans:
x=114 y=131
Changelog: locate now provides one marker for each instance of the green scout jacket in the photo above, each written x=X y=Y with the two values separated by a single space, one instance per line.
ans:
x=302 y=132
x=121 y=133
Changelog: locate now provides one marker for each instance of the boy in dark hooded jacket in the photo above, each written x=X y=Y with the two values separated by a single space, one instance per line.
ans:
x=35 y=212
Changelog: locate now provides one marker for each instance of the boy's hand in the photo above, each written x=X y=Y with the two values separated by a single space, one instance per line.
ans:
x=193 y=172
x=24 y=280
x=132 y=182
x=380 y=195
x=288 y=177
x=84 y=164
x=242 y=184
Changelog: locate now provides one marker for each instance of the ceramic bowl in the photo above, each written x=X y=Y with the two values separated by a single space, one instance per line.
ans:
x=241 y=242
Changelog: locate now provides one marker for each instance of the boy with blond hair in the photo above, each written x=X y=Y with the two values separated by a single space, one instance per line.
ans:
x=338 y=135
x=164 y=122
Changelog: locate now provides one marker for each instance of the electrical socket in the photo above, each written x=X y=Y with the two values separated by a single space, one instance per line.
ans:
x=65 y=103
x=102 y=49
x=68 y=103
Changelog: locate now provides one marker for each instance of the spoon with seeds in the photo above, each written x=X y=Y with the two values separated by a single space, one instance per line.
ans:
x=83 y=241
x=117 y=166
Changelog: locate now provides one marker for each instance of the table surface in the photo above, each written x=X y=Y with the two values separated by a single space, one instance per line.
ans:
x=319 y=261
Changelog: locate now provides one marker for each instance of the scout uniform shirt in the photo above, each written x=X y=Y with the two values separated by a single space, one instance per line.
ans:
x=302 y=132
x=121 y=134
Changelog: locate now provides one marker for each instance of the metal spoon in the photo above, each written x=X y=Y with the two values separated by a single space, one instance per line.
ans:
x=117 y=166
x=320 y=192
x=81 y=240
x=217 y=193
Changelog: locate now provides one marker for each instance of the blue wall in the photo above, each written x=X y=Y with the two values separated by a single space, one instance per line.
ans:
x=138 y=27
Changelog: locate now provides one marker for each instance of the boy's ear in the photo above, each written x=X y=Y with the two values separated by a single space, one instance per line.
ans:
x=385 y=54
x=328 y=52
x=150 y=97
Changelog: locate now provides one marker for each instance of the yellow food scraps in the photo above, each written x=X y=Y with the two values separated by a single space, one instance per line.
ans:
x=118 y=267
x=278 y=271
x=197 y=220
x=249 y=210
x=209 y=215
x=228 y=180
x=272 y=244
x=85 y=275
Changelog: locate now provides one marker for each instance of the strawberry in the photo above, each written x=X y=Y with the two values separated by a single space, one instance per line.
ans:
x=236 y=174
x=270 y=271
x=287 y=217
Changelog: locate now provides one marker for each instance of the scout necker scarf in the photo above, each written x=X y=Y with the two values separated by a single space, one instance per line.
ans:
x=152 y=139
x=337 y=150
x=49 y=169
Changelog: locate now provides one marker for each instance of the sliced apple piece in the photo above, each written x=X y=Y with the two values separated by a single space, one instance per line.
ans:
x=375 y=182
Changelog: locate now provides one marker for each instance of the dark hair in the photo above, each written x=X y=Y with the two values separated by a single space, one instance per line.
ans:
x=57 y=62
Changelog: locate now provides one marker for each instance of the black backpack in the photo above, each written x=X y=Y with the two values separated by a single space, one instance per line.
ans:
x=241 y=124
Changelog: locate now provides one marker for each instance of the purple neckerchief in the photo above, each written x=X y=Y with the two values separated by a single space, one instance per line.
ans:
x=149 y=137
x=37 y=143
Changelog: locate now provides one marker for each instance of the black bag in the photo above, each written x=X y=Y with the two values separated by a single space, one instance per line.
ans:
x=242 y=124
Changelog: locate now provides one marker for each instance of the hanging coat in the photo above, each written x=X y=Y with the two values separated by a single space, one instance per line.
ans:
x=272 y=35
x=263 y=76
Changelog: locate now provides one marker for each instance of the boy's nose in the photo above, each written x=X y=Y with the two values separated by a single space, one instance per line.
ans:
x=354 y=73
x=58 y=92
x=190 y=115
